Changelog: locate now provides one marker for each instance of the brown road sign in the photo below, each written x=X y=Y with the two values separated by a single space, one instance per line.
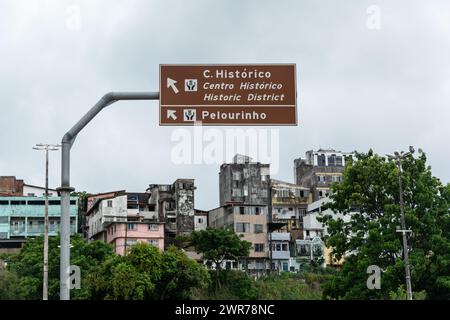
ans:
x=259 y=94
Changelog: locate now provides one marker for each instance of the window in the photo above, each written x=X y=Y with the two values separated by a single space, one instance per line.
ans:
x=285 y=266
x=257 y=211
x=242 y=227
x=282 y=193
x=4 y=202
x=36 y=202
x=54 y=202
x=284 y=247
x=153 y=227
x=3 y=219
x=31 y=194
x=301 y=212
x=237 y=192
x=332 y=160
x=18 y=202
x=307 y=233
x=258 y=228
x=228 y=265
x=241 y=210
x=260 y=265
x=153 y=242
x=339 y=161
x=321 y=160
x=259 y=247
x=73 y=202
x=109 y=203
x=236 y=175
x=131 y=226
x=200 y=220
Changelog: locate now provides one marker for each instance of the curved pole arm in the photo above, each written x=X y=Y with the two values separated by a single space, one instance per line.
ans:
x=66 y=189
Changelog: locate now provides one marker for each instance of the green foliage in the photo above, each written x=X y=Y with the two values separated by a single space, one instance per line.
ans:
x=237 y=285
x=180 y=275
x=370 y=186
x=146 y=273
x=218 y=245
x=9 y=286
x=400 y=294
x=28 y=265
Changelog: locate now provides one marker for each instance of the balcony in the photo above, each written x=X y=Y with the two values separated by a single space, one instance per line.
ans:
x=280 y=236
x=281 y=255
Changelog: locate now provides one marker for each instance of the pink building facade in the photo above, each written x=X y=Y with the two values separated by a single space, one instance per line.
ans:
x=122 y=235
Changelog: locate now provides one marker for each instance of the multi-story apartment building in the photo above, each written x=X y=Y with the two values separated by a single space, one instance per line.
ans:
x=23 y=217
x=311 y=246
x=122 y=218
x=174 y=205
x=22 y=211
x=289 y=204
x=319 y=170
x=244 y=181
x=244 y=207
x=250 y=222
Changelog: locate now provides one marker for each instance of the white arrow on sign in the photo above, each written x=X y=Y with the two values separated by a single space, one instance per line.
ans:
x=171 y=114
x=171 y=84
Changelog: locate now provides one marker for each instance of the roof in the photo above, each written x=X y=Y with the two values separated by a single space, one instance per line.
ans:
x=33 y=186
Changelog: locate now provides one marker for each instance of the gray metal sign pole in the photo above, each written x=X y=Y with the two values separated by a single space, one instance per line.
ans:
x=65 y=189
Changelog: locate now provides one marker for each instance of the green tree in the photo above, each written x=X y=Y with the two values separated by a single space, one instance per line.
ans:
x=218 y=245
x=370 y=188
x=180 y=275
x=9 y=286
x=28 y=265
x=147 y=273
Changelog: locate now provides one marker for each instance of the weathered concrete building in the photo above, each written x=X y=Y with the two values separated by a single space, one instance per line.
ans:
x=244 y=181
x=22 y=211
x=319 y=169
x=289 y=205
x=244 y=207
x=200 y=220
x=23 y=217
x=174 y=205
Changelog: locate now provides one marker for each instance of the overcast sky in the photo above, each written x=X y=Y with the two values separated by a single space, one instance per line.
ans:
x=358 y=88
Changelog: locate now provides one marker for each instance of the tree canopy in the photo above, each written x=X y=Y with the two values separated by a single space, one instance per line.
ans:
x=369 y=193
x=218 y=245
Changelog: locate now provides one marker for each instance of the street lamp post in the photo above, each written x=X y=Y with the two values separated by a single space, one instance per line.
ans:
x=47 y=148
x=398 y=157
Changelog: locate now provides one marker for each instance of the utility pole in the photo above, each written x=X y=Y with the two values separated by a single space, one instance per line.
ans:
x=47 y=148
x=398 y=157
